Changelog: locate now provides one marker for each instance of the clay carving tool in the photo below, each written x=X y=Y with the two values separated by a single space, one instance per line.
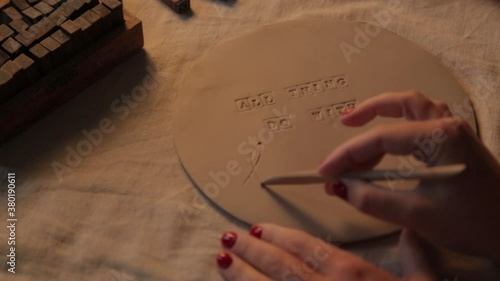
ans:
x=307 y=177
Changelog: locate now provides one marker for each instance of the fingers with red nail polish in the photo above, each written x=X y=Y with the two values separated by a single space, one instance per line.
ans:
x=289 y=254
x=340 y=189
x=224 y=260
x=337 y=189
x=228 y=239
x=256 y=231
x=233 y=267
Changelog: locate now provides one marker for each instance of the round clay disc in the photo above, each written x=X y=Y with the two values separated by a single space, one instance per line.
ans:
x=268 y=103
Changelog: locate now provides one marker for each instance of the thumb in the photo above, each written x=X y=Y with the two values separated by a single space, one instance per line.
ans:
x=398 y=207
x=418 y=257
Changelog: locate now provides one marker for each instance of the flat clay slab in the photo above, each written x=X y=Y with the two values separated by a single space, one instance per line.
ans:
x=268 y=103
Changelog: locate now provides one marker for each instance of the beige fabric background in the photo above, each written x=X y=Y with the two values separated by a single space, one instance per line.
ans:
x=116 y=215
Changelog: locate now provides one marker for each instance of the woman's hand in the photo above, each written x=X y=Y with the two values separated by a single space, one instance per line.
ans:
x=271 y=252
x=460 y=213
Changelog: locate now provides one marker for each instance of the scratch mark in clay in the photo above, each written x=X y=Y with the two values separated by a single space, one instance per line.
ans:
x=254 y=166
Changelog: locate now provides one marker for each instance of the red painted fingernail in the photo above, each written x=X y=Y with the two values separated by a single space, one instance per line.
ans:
x=224 y=260
x=329 y=188
x=347 y=111
x=228 y=239
x=340 y=189
x=256 y=231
